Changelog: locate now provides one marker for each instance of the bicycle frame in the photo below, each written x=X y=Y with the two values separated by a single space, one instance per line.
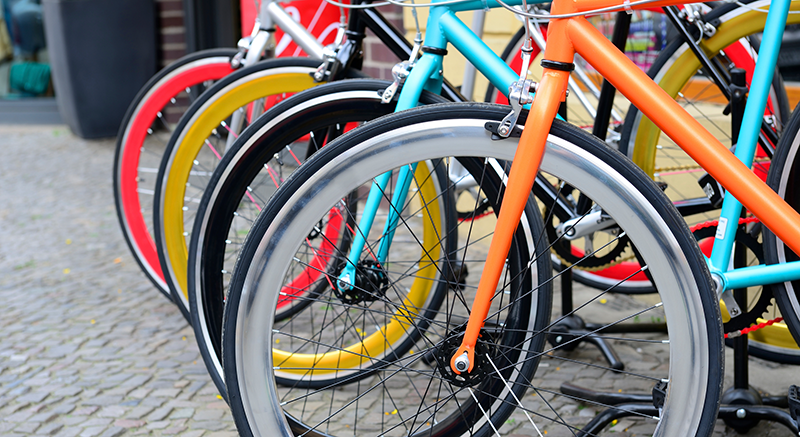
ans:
x=569 y=36
x=271 y=14
x=443 y=27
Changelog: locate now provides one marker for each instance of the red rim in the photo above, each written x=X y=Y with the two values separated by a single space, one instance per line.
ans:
x=318 y=265
x=144 y=118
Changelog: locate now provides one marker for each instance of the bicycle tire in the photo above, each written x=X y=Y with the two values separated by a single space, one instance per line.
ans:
x=440 y=132
x=188 y=71
x=206 y=119
x=215 y=237
x=782 y=178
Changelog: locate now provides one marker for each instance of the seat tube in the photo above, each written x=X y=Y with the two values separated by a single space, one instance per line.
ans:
x=751 y=126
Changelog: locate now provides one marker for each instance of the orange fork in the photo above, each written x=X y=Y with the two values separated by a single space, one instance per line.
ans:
x=528 y=158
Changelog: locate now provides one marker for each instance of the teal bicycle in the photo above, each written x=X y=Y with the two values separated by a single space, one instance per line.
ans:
x=367 y=330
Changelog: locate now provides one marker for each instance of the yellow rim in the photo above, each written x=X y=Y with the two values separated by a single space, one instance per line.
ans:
x=209 y=119
x=385 y=337
x=682 y=70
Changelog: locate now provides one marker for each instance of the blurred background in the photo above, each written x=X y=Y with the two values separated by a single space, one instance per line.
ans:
x=81 y=62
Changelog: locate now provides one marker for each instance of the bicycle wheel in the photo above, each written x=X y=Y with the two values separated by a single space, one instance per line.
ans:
x=197 y=146
x=782 y=178
x=415 y=394
x=259 y=161
x=143 y=134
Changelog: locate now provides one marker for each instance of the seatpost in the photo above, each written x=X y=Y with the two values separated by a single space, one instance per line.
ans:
x=740 y=353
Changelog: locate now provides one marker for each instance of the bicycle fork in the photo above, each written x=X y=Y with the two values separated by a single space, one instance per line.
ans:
x=528 y=158
x=426 y=70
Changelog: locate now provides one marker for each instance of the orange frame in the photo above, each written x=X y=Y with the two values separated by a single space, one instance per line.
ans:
x=565 y=37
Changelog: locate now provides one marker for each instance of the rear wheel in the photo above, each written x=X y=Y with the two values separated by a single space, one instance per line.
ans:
x=257 y=164
x=783 y=178
x=198 y=145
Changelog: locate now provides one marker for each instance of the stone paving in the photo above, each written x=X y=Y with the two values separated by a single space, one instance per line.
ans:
x=88 y=347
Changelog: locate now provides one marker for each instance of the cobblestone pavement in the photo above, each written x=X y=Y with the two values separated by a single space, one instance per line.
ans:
x=88 y=346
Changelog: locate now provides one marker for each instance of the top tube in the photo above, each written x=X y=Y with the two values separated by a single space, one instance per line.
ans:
x=471 y=5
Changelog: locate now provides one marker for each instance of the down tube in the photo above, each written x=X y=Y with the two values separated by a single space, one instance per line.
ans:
x=687 y=132
x=751 y=125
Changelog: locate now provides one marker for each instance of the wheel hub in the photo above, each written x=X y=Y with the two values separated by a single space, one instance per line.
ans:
x=370 y=285
x=482 y=368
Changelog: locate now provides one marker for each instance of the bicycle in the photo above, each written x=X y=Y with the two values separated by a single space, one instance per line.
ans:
x=240 y=90
x=239 y=189
x=169 y=239
x=212 y=252
x=247 y=347
x=205 y=304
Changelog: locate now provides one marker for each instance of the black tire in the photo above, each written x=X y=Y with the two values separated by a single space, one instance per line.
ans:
x=782 y=178
x=248 y=333
x=215 y=242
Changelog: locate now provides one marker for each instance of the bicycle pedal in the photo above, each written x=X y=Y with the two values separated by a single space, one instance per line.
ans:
x=794 y=403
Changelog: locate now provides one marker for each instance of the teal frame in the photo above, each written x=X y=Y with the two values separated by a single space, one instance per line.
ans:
x=719 y=261
x=443 y=27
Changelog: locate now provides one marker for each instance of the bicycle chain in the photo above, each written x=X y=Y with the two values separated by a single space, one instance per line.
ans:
x=746 y=331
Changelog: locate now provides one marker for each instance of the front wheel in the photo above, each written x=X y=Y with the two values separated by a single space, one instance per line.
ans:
x=262 y=157
x=415 y=393
x=143 y=134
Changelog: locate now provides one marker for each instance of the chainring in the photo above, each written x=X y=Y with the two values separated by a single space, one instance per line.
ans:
x=756 y=309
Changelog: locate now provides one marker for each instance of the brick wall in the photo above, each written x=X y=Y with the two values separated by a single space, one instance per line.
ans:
x=379 y=60
x=172 y=33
